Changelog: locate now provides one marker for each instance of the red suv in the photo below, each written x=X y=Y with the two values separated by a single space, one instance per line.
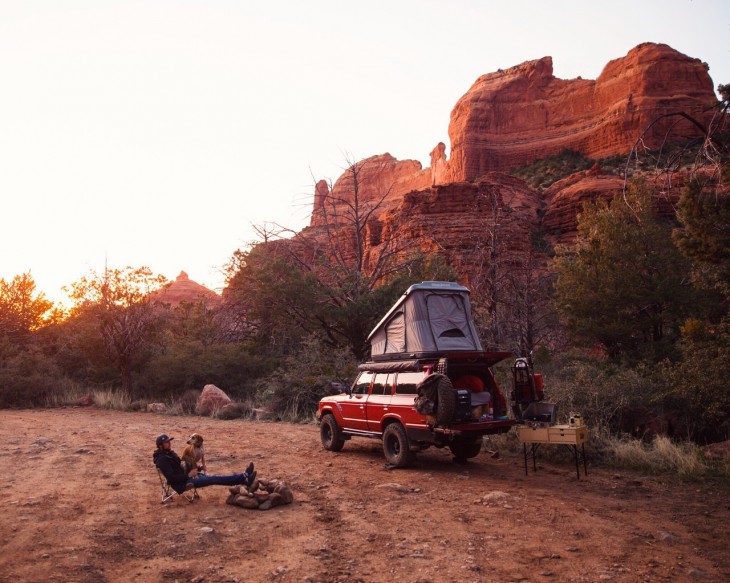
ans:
x=396 y=402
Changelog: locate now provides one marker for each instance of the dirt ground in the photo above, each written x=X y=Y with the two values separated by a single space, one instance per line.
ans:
x=82 y=503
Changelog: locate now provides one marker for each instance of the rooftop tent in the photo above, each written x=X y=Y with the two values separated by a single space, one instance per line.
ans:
x=432 y=316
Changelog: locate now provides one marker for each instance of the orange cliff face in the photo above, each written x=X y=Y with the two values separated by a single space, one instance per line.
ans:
x=381 y=180
x=510 y=118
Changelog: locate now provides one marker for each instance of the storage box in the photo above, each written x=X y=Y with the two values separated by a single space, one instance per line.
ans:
x=533 y=434
x=574 y=435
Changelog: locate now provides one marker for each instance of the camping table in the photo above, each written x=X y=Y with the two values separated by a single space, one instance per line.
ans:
x=570 y=436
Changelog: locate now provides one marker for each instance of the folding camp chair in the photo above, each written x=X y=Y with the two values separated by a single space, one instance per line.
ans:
x=169 y=492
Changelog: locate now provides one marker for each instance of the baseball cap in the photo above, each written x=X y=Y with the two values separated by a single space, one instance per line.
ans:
x=163 y=438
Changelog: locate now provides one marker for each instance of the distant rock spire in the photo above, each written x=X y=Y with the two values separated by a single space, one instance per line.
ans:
x=183 y=289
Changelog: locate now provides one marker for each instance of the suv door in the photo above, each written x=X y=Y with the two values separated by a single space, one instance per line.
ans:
x=405 y=394
x=379 y=400
x=353 y=407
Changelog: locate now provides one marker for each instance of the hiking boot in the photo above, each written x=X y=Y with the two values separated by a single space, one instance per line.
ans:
x=251 y=479
x=249 y=469
x=253 y=485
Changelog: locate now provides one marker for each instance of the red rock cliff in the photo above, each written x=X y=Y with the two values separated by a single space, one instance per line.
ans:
x=508 y=119
x=513 y=117
x=381 y=180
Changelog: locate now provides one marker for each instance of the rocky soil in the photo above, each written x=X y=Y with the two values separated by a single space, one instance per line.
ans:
x=81 y=501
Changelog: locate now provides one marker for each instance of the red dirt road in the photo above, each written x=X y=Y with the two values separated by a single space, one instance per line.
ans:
x=81 y=501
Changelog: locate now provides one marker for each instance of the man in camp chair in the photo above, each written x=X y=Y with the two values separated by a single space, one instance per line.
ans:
x=168 y=462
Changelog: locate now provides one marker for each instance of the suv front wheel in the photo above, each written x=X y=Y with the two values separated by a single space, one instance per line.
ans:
x=331 y=434
x=396 y=446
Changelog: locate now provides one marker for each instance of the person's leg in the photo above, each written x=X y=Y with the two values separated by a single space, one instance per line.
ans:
x=232 y=480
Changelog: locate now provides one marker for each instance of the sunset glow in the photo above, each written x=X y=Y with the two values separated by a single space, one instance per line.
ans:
x=156 y=133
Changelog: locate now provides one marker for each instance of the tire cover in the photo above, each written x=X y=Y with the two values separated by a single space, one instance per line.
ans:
x=446 y=403
x=428 y=387
x=438 y=389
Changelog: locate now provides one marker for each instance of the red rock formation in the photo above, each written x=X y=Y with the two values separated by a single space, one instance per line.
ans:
x=454 y=219
x=381 y=180
x=565 y=200
x=183 y=289
x=510 y=118
x=507 y=119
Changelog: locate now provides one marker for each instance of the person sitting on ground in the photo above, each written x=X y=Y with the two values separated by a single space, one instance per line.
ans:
x=168 y=462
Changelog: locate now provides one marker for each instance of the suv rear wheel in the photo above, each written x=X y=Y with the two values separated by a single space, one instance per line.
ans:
x=396 y=446
x=464 y=450
x=331 y=434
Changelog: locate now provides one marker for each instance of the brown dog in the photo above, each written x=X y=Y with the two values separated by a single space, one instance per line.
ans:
x=193 y=456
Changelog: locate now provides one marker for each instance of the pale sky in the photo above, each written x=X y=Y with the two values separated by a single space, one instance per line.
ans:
x=156 y=132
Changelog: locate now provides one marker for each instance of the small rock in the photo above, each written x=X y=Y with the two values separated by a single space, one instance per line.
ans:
x=572 y=549
x=668 y=536
x=495 y=495
x=698 y=573
x=206 y=529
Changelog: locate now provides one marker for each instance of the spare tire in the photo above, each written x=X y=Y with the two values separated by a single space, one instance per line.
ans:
x=438 y=389
x=446 y=402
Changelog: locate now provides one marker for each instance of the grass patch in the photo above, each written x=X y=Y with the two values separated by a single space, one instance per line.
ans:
x=116 y=399
x=659 y=456
x=662 y=456
x=65 y=398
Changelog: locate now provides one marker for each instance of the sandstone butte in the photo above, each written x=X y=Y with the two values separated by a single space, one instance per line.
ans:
x=183 y=289
x=508 y=119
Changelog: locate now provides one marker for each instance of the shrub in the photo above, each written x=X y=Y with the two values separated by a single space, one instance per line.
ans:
x=293 y=391
x=662 y=455
x=29 y=379
x=234 y=411
x=187 y=365
x=117 y=399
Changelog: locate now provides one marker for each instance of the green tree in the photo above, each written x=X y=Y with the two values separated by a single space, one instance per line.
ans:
x=275 y=300
x=698 y=380
x=699 y=389
x=336 y=278
x=704 y=235
x=625 y=284
x=119 y=302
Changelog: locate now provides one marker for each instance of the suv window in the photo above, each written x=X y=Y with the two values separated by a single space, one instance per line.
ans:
x=380 y=385
x=407 y=382
x=362 y=384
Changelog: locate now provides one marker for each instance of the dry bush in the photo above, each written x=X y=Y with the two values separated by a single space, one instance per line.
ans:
x=117 y=399
x=64 y=398
x=187 y=401
x=662 y=455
